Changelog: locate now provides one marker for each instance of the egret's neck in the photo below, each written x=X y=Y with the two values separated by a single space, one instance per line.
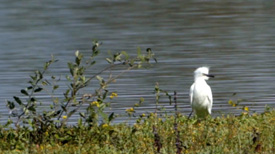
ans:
x=200 y=79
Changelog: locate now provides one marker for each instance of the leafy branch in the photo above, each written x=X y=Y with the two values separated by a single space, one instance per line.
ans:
x=62 y=109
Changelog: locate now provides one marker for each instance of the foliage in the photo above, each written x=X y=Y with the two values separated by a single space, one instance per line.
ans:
x=26 y=111
x=226 y=134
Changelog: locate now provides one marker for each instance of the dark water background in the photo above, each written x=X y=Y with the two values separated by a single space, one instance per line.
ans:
x=236 y=39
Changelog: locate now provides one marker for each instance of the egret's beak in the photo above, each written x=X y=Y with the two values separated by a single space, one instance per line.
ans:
x=209 y=75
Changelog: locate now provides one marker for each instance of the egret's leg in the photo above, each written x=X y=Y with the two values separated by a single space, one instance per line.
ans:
x=190 y=114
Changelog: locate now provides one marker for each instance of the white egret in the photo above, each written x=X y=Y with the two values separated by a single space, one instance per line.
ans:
x=200 y=93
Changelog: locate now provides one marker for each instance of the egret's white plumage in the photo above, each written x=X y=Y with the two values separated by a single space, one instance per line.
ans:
x=200 y=93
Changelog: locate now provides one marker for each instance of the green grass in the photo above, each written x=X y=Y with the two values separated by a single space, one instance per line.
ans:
x=227 y=134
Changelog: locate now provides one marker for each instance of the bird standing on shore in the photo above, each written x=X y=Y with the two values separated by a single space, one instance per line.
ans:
x=200 y=93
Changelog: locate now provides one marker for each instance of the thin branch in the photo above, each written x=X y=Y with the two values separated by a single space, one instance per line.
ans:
x=178 y=141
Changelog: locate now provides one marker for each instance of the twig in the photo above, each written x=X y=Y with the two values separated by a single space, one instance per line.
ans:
x=157 y=142
x=178 y=141
x=157 y=139
x=30 y=96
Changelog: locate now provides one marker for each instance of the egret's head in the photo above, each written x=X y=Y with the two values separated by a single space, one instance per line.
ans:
x=202 y=72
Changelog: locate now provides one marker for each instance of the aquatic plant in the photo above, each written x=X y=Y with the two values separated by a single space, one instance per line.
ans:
x=26 y=111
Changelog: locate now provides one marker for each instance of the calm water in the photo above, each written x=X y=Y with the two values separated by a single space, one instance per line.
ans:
x=236 y=39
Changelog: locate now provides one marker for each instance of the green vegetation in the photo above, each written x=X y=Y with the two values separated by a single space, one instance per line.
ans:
x=33 y=129
x=230 y=134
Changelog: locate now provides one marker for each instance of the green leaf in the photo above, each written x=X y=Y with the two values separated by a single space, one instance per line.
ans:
x=96 y=44
x=56 y=100
x=40 y=75
x=55 y=87
x=30 y=87
x=82 y=114
x=125 y=54
x=50 y=113
x=77 y=61
x=8 y=123
x=117 y=57
x=67 y=93
x=24 y=92
x=32 y=108
x=82 y=79
x=138 y=52
x=46 y=82
x=33 y=77
x=99 y=78
x=95 y=53
x=10 y=105
x=111 y=117
x=17 y=100
x=38 y=89
x=31 y=82
x=103 y=115
x=33 y=99
x=46 y=65
x=92 y=63
x=140 y=56
x=109 y=60
x=57 y=113
x=105 y=94
x=71 y=67
x=77 y=53
x=79 y=123
x=72 y=112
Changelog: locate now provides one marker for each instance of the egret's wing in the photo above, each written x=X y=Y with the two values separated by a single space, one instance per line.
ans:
x=191 y=94
x=210 y=99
